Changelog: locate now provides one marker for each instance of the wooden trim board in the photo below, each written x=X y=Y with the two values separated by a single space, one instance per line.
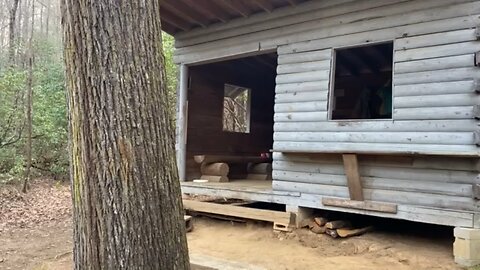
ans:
x=362 y=205
x=239 y=211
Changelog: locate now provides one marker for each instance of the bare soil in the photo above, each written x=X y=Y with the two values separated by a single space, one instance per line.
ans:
x=43 y=240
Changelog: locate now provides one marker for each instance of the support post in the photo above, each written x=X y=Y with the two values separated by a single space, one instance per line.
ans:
x=466 y=248
x=350 y=164
x=182 y=123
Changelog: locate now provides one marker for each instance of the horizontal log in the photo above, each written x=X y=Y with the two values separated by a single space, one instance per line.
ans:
x=229 y=159
x=307 y=106
x=300 y=117
x=449 y=62
x=317 y=56
x=419 y=101
x=389 y=170
x=439 y=88
x=444 y=75
x=302 y=87
x=468 y=47
x=431 y=113
x=394 y=183
x=438 y=24
x=443 y=125
x=310 y=76
x=220 y=169
x=303 y=67
x=436 y=39
x=377 y=148
x=301 y=97
x=380 y=137
x=260 y=168
x=388 y=196
x=259 y=176
x=403 y=167
x=362 y=205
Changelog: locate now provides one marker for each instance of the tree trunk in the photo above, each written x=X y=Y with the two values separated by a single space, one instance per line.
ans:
x=29 y=122
x=128 y=210
x=11 y=32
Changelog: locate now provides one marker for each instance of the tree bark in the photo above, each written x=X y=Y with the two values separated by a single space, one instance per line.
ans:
x=127 y=206
x=11 y=32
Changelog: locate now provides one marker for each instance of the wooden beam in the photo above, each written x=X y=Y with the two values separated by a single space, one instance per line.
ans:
x=361 y=205
x=182 y=113
x=239 y=211
x=206 y=7
x=355 y=189
x=174 y=20
x=236 y=6
x=185 y=11
x=265 y=5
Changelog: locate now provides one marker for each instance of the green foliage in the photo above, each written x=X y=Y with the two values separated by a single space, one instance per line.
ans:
x=50 y=132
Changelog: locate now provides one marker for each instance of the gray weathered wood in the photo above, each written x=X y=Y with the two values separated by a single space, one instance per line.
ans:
x=354 y=182
x=438 y=88
x=362 y=205
x=182 y=122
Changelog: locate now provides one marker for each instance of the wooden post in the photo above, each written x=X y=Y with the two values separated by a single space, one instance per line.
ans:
x=182 y=123
x=350 y=164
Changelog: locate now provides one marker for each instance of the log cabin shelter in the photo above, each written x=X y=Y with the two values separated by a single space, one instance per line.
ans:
x=357 y=106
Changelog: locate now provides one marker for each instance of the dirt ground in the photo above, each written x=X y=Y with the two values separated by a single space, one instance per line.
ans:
x=42 y=240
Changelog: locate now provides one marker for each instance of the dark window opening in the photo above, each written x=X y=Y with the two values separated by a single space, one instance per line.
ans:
x=362 y=87
x=236 y=109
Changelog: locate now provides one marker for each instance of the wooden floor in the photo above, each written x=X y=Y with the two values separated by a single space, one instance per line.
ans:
x=245 y=189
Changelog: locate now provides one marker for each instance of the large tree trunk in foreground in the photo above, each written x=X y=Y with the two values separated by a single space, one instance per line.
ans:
x=126 y=192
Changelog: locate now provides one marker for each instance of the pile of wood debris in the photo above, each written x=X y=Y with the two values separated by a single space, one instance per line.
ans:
x=334 y=228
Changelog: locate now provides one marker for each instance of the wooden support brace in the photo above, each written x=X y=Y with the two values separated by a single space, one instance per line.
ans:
x=476 y=112
x=476 y=191
x=477 y=59
x=350 y=164
x=476 y=86
x=477 y=32
x=476 y=137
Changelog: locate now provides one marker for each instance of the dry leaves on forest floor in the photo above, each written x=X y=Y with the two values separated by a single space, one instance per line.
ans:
x=46 y=202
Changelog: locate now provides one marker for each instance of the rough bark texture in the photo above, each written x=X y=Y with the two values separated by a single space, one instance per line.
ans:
x=11 y=32
x=126 y=193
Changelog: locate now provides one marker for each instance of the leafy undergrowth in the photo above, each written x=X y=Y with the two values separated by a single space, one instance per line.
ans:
x=45 y=203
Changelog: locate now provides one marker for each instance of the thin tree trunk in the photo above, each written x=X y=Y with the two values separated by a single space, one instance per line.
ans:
x=127 y=206
x=11 y=33
x=29 y=122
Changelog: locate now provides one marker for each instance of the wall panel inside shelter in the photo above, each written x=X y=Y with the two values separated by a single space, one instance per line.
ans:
x=205 y=131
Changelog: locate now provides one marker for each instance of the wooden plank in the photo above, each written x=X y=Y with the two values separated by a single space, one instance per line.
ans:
x=436 y=88
x=311 y=76
x=301 y=97
x=384 y=176
x=302 y=87
x=238 y=211
x=303 y=67
x=354 y=181
x=437 y=24
x=388 y=196
x=444 y=75
x=377 y=148
x=443 y=125
x=464 y=138
x=182 y=123
x=300 y=117
x=436 y=39
x=307 y=106
x=449 y=100
x=295 y=58
x=432 y=113
x=448 y=62
x=437 y=51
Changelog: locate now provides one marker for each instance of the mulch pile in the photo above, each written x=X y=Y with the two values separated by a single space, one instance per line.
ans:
x=46 y=202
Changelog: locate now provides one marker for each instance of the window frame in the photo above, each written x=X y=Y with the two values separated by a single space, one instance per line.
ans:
x=331 y=83
x=248 y=109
